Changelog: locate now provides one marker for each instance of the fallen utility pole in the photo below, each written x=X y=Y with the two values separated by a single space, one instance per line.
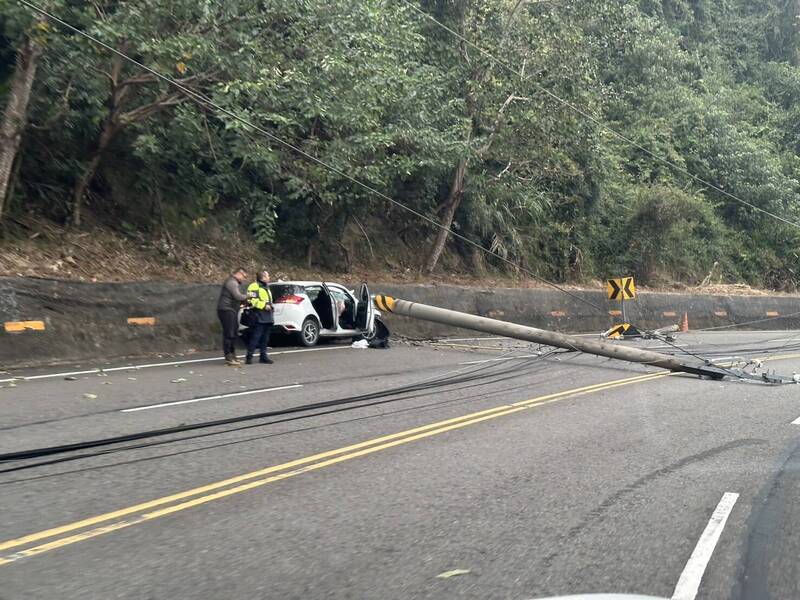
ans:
x=550 y=338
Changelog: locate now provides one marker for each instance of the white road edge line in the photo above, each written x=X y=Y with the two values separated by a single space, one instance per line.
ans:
x=215 y=397
x=689 y=582
x=163 y=364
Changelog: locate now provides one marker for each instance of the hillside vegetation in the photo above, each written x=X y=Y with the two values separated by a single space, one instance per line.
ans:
x=513 y=153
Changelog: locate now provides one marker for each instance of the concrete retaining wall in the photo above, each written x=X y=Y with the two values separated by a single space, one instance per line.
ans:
x=86 y=320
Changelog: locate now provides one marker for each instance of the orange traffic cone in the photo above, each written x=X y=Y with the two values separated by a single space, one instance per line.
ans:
x=685 y=322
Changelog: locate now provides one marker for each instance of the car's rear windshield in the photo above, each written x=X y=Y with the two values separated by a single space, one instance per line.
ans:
x=279 y=290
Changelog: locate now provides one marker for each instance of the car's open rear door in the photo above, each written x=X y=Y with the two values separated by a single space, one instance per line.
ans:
x=365 y=311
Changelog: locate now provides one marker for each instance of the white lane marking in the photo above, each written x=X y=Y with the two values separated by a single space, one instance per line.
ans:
x=163 y=364
x=689 y=582
x=479 y=362
x=215 y=397
x=796 y=421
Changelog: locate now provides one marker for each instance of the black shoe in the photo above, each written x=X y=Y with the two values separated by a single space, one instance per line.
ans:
x=265 y=360
x=248 y=360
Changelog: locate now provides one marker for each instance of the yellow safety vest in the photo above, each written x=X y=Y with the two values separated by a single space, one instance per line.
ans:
x=263 y=298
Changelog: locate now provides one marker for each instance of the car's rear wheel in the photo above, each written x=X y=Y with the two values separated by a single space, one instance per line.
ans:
x=309 y=333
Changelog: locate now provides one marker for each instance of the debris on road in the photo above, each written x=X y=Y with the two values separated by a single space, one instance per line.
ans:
x=178 y=380
x=90 y=396
x=360 y=344
x=453 y=573
x=70 y=378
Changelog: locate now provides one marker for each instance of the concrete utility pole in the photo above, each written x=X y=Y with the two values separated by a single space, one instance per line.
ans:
x=550 y=338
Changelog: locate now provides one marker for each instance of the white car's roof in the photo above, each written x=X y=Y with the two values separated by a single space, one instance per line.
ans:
x=305 y=283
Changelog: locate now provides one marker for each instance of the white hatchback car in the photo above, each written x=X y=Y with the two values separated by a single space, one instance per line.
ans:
x=311 y=310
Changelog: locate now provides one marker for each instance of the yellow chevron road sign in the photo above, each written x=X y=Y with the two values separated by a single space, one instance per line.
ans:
x=621 y=288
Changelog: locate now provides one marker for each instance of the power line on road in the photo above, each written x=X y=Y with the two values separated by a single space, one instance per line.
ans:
x=473 y=377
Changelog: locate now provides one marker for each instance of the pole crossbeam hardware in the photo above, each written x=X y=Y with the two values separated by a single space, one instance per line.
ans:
x=415 y=310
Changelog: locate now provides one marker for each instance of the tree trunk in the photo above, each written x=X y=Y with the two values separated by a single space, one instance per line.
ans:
x=453 y=201
x=12 y=182
x=15 y=116
x=311 y=250
x=109 y=130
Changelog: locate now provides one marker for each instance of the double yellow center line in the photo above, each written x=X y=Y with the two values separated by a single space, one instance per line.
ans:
x=65 y=535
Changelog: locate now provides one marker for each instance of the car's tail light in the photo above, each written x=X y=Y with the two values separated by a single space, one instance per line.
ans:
x=292 y=299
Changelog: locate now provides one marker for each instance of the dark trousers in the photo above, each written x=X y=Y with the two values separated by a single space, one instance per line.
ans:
x=259 y=338
x=230 y=329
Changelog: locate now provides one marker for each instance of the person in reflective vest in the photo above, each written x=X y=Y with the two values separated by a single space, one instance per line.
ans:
x=261 y=305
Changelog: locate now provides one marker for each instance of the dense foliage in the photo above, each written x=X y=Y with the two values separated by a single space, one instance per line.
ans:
x=385 y=95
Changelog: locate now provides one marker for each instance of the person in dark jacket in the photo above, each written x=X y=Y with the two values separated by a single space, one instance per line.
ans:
x=261 y=304
x=230 y=298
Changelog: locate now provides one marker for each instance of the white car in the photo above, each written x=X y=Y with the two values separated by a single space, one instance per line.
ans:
x=311 y=310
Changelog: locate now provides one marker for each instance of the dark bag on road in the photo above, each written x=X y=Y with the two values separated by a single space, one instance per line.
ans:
x=248 y=318
x=381 y=339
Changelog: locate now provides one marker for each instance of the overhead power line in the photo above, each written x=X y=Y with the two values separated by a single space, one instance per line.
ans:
x=200 y=98
x=590 y=117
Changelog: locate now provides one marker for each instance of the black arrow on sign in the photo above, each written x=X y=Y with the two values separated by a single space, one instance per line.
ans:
x=617 y=290
x=628 y=291
x=618 y=330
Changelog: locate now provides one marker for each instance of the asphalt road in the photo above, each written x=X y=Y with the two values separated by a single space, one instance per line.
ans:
x=375 y=473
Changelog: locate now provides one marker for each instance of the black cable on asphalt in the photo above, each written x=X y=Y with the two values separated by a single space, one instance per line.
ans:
x=116 y=410
x=247 y=439
x=358 y=400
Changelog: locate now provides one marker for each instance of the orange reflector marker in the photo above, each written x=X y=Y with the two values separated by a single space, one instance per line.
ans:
x=557 y=313
x=670 y=313
x=773 y=313
x=142 y=321
x=21 y=326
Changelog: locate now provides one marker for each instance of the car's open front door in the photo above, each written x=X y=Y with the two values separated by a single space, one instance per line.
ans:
x=331 y=323
x=365 y=311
